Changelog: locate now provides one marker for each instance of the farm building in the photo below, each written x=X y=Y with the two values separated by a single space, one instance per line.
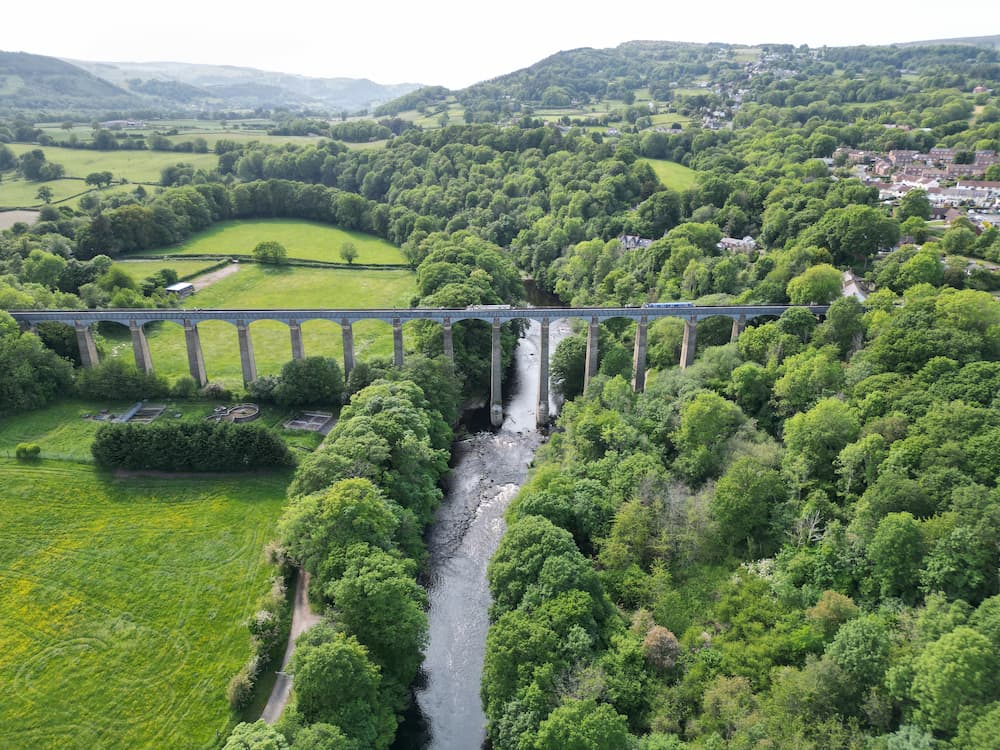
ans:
x=182 y=289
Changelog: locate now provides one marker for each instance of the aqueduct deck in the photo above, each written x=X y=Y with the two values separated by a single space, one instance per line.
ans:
x=136 y=319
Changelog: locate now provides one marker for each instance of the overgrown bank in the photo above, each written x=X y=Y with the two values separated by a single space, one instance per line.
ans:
x=792 y=541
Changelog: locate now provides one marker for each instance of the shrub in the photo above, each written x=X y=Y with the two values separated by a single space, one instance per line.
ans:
x=189 y=446
x=216 y=392
x=116 y=380
x=184 y=387
x=27 y=451
x=241 y=686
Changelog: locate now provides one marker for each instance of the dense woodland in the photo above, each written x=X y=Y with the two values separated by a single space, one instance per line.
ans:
x=790 y=544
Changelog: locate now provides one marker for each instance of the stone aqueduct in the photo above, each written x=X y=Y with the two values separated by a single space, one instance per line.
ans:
x=136 y=319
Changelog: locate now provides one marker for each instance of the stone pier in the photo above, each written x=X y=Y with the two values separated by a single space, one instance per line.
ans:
x=591 y=367
x=347 y=334
x=85 y=340
x=739 y=325
x=247 y=362
x=496 y=372
x=542 y=410
x=397 y=342
x=295 y=330
x=196 y=360
x=447 y=342
x=690 y=340
x=140 y=348
x=639 y=356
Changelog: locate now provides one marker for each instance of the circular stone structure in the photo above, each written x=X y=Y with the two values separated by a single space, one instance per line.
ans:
x=243 y=413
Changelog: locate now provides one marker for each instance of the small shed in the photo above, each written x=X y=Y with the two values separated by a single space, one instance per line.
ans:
x=182 y=289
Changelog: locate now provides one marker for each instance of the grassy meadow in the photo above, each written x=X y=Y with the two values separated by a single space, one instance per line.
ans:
x=672 y=174
x=134 y=166
x=122 y=603
x=140 y=269
x=304 y=240
x=256 y=286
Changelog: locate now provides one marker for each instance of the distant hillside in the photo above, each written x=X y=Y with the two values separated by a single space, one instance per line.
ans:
x=992 y=42
x=235 y=87
x=579 y=76
x=38 y=82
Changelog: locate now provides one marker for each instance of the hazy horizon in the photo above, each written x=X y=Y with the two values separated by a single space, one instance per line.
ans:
x=444 y=42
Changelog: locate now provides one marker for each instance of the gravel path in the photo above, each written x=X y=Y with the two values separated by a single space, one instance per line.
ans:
x=207 y=279
x=303 y=618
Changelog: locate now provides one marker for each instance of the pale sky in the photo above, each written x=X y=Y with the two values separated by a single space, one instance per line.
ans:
x=449 y=42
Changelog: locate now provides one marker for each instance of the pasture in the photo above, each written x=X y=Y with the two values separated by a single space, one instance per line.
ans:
x=672 y=174
x=304 y=240
x=134 y=166
x=275 y=287
x=140 y=269
x=16 y=192
x=121 y=617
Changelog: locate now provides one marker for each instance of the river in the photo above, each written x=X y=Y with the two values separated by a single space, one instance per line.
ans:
x=487 y=470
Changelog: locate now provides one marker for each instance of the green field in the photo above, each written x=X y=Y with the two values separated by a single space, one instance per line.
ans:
x=16 y=192
x=134 y=166
x=305 y=240
x=140 y=269
x=123 y=602
x=63 y=433
x=267 y=287
x=672 y=174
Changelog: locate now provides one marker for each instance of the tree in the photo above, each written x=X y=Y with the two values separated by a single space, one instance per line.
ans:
x=313 y=380
x=44 y=194
x=322 y=737
x=583 y=725
x=707 y=422
x=318 y=529
x=853 y=234
x=817 y=285
x=348 y=251
x=44 y=268
x=30 y=374
x=270 y=251
x=745 y=497
x=896 y=552
x=568 y=366
x=378 y=599
x=954 y=672
x=914 y=204
x=256 y=736
x=99 y=178
x=336 y=683
x=818 y=435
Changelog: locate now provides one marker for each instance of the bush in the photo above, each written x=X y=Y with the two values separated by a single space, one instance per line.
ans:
x=27 y=451
x=216 y=392
x=115 y=380
x=313 y=380
x=184 y=387
x=263 y=388
x=189 y=446
x=241 y=686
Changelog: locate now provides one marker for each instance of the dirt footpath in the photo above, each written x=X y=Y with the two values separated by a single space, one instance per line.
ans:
x=207 y=279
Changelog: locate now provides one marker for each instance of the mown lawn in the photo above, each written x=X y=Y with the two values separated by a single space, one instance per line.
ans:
x=256 y=286
x=122 y=603
x=306 y=240
x=672 y=174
